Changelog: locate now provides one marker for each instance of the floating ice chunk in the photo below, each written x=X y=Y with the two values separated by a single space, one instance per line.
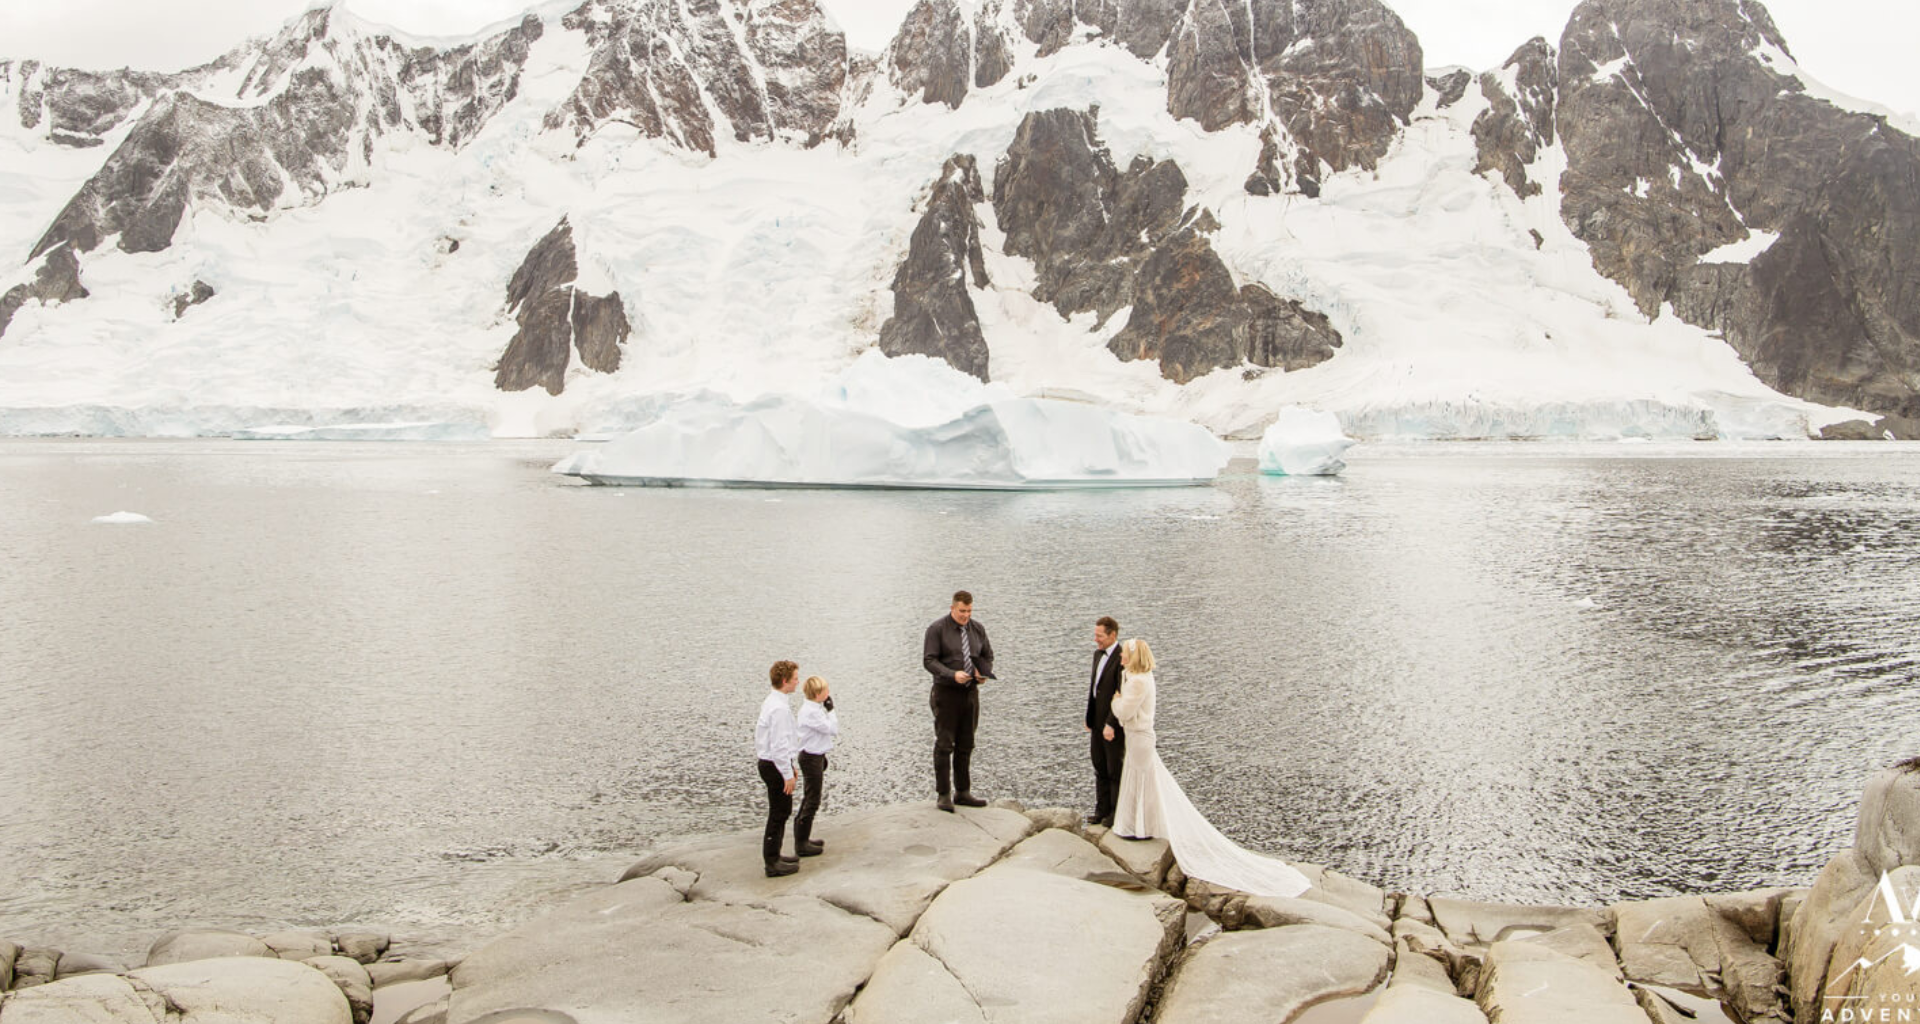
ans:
x=122 y=519
x=1586 y=603
x=1010 y=444
x=1303 y=442
x=421 y=431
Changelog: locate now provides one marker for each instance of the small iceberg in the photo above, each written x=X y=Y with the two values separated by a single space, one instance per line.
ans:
x=122 y=519
x=1304 y=442
x=932 y=428
x=426 y=430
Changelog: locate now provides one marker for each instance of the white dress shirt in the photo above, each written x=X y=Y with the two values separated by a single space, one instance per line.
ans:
x=1101 y=669
x=818 y=727
x=775 y=737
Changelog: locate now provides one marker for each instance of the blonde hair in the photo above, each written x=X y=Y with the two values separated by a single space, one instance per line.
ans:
x=1136 y=656
x=814 y=687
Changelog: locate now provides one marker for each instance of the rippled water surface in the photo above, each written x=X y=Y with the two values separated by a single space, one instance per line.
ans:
x=432 y=687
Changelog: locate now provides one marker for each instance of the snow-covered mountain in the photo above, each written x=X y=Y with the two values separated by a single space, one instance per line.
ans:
x=1661 y=227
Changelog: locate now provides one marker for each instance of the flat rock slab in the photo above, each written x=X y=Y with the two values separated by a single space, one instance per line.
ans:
x=887 y=863
x=1528 y=983
x=1029 y=947
x=1582 y=942
x=1265 y=976
x=87 y=999
x=1147 y=859
x=638 y=953
x=1277 y=912
x=1414 y=1004
x=204 y=944
x=1064 y=853
x=1479 y=925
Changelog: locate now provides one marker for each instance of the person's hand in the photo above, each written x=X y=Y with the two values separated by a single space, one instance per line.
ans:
x=790 y=779
x=1107 y=732
x=1085 y=726
x=962 y=678
x=828 y=703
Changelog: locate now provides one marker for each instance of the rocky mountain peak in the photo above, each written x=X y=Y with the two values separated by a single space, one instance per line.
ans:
x=1519 y=120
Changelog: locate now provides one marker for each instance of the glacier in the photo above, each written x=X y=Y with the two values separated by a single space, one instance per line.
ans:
x=764 y=269
x=860 y=433
x=1304 y=442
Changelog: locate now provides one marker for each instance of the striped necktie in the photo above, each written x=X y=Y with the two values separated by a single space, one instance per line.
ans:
x=966 y=652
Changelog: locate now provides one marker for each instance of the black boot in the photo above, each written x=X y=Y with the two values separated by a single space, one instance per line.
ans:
x=945 y=803
x=812 y=849
x=776 y=868
x=967 y=799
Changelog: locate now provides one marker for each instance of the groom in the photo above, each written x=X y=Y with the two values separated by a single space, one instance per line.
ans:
x=1109 y=740
x=956 y=653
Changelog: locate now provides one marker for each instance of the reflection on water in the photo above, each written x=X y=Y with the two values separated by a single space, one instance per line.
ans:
x=428 y=686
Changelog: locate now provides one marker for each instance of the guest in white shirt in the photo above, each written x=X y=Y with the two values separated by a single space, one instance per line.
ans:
x=776 y=740
x=818 y=728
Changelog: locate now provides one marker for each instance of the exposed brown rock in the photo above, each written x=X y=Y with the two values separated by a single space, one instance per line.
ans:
x=1517 y=124
x=57 y=281
x=933 y=313
x=555 y=317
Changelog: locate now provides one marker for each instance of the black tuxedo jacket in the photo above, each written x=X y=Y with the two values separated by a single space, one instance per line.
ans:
x=1101 y=694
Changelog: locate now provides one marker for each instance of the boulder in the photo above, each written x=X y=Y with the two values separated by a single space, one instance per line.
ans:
x=396 y=1001
x=1683 y=944
x=299 y=944
x=1332 y=887
x=203 y=944
x=1414 y=1004
x=1833 y=908
x=1887 y=833
x=1757 y=913
x=35 y=966
x=1416 y=968
x=351 y=978
x=1064 y=818
x=1033 y=946
x=87 y=999
x=1277 y=912
x=396 y=972
x=9 y=952
x=235 y=989
x=1528 y=983
x=1146 y=859
x=364 y=947
x=1479 y=925
x=1270 y=975
x=639 y=953
x=887 y=863
x=74 y=964
x=1672 y=1006
x=1874 y=962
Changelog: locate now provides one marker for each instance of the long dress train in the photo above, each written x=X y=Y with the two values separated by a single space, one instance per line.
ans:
x=1152 y=804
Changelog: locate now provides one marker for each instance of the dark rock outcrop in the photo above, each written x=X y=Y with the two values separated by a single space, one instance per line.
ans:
x=77 y=108
x=56 y=281
x=1102 y=240
x=933 y=313
x=1684 y=132
x=1450 y=87
x=1518 y=121
x=319 y=93
x=199 y=293
x=555 y=318
x=1341 y=76
x=777 y=75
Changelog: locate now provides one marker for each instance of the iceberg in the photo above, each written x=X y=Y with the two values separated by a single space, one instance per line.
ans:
x=1303 y=442
x=852 y=436
x=122 y=519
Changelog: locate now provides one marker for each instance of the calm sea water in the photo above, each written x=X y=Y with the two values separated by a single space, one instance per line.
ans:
x=433 y=687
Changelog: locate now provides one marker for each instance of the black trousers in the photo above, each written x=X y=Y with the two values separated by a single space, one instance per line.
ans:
x=813 y=770
x=779 y=807
x=956 y=710
x=1109 y=757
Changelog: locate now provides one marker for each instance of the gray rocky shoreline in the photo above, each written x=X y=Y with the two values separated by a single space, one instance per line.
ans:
x=1003 y=914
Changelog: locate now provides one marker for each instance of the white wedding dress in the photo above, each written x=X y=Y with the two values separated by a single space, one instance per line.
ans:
x=1152 y=805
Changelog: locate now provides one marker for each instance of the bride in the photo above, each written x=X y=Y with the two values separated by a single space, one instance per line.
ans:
x=1151 y=803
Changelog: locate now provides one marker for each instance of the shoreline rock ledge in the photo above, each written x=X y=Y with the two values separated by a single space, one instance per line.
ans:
x=1007 y=916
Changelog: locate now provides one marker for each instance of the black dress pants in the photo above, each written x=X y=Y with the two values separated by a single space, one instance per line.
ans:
x=1109 y=758
x=956 y=710
x=779 y=808
x=813 y=771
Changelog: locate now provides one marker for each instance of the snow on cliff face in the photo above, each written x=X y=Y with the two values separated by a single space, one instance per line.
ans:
x=375 y=289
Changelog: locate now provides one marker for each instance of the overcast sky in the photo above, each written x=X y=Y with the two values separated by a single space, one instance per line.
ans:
x=1861 y=47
